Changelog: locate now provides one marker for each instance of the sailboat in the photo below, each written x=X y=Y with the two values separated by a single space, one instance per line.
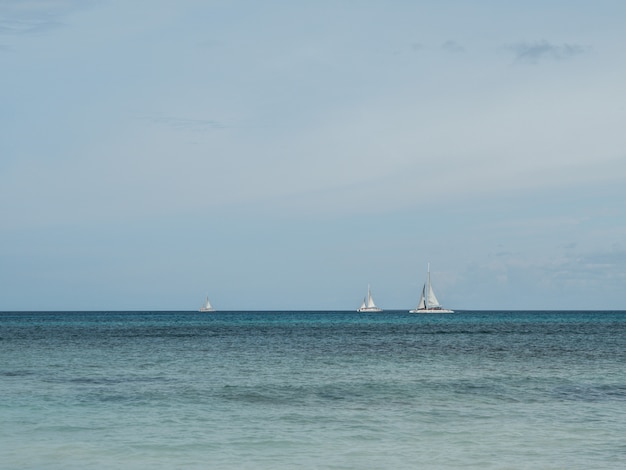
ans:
x=368 y=304
x=207 y=307
x=428 y=302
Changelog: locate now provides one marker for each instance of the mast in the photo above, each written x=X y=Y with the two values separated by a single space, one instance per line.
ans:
x=427 y=299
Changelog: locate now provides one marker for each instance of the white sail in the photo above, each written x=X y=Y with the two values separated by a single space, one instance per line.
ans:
x=422 y=303
x=431 y=300
x=370 y=299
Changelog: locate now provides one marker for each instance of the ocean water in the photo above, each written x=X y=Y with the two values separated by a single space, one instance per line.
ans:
x=312 y=390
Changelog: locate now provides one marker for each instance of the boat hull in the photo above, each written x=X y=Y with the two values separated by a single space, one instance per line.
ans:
x=204 y=310
x=431 y=310
x=369 y=310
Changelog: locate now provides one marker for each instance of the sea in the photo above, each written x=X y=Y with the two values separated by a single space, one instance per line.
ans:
x=313 y=390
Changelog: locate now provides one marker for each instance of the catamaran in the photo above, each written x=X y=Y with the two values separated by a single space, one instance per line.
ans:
x=207 y=307
x=368 y=304
x=428 y=302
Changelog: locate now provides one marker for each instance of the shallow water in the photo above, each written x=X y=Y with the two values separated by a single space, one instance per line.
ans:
x=336 y=390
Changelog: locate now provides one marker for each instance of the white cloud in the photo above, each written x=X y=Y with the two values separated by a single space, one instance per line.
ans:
x=537 y=51
x=34 y=17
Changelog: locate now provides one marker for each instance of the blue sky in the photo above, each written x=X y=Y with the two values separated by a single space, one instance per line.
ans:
x=283 y=155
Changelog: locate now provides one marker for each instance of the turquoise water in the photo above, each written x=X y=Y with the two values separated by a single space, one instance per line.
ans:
x=312 y=390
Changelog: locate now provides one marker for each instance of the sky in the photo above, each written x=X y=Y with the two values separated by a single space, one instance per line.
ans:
x=283 y=155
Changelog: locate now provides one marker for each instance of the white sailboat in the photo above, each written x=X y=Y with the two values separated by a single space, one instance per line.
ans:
x=368 y=304
x=207 y=307
x=428 y=302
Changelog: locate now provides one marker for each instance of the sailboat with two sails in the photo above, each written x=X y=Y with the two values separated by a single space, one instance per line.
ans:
x=207 y=307
x=428 y=302
x=368 y=304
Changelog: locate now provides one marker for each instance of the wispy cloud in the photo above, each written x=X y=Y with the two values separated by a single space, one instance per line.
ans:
x=589 y=269
x=32 y=17
x=543 y=50
x=182 y=124
x=29 y=26
x=453 y=47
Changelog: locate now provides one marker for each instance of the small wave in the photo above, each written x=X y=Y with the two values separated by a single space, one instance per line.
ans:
x=592 y=393
x=15 y=373
x=106 y=380
x=254 y=397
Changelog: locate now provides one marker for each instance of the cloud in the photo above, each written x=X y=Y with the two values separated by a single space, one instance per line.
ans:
x=33 y=17
x=193 y=125
x=453 y=47
x=584 y=280
x=613 y=261
x=589 y=270
x=28 y=26
x=543 y=50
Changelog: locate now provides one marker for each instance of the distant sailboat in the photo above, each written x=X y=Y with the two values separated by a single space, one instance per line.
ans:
x=368 y=304
x=207 y=307
x=428 y=302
